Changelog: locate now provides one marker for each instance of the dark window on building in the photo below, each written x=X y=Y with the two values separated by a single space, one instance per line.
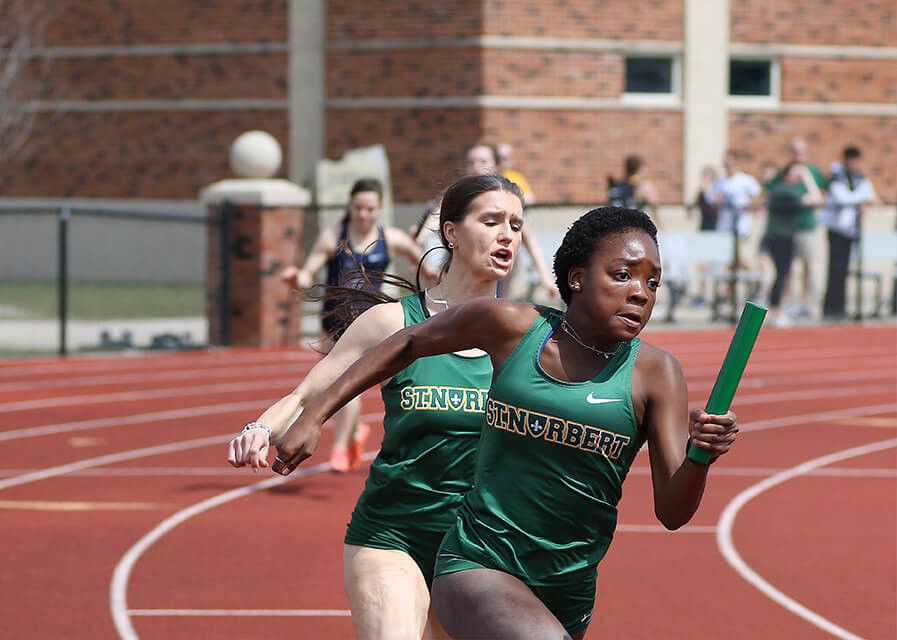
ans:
x=649 y=75
x=750 y=78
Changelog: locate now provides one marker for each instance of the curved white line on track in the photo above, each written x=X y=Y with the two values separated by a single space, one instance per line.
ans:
x=731 y=555
x=118 y=589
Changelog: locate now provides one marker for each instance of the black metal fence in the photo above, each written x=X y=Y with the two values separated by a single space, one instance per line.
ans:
x=117 y=250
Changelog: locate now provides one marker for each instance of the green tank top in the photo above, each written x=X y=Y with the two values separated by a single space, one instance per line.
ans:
x=434 y=416
x=551 y=463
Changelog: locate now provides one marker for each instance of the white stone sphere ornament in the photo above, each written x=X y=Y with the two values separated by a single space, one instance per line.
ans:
x=255 y=154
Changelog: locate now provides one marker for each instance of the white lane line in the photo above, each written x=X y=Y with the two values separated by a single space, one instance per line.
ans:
x=139 y=418
x=731 y=555
x=765 y=472
x=118 y=588
x=172 y=414
x=656 y=528
x=809 y=394
x=206 y=359
x=52 y=472
x=312 y=613
x=644 y=470
x=145 y=394
x=788 y=421
x=824 y=416
x=74 y=467
x=176 y=414
x=173 y=392
x=154 y=375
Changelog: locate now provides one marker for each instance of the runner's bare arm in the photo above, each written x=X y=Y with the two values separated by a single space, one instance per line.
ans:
x=494 y=326
x=251 y=448
x=678 y=482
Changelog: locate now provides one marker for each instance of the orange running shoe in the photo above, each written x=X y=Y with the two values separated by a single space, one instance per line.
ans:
x=356 y=445
x=339 y=460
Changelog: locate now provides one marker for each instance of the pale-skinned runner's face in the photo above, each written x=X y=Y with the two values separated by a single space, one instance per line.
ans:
x=488 y=238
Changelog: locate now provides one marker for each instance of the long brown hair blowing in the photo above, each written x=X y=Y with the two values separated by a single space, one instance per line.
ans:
x=355 y=300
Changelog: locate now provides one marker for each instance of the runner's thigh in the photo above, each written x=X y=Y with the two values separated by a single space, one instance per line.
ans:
x=487 y=604
x=387 y=593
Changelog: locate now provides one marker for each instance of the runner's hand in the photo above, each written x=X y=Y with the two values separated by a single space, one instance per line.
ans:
x=297 y=444
x=715 y=433
x=249 y=448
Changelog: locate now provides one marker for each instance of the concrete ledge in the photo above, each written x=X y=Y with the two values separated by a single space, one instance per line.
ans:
x=261 y=192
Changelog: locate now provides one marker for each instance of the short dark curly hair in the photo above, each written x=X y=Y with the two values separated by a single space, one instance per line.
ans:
x=583 y=236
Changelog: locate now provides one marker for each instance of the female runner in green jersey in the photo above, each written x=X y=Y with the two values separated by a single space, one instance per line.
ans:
x=433 y=418
x=574 y=396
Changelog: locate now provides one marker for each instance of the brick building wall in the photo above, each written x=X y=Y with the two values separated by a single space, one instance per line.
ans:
x=143 y=102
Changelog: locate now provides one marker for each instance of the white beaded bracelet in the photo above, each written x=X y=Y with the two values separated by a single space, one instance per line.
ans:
x=257 y=425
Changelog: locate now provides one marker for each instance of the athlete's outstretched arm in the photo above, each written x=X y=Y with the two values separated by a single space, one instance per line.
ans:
x=678 y=481
x=485 y=323
x=251 y=447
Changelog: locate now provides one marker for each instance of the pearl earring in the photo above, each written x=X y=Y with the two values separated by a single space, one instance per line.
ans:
x=451 y=245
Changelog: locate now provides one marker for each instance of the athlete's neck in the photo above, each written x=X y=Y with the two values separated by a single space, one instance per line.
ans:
x=458 y=287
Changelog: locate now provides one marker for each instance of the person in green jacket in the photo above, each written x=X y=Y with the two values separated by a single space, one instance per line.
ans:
x=574 y=396
x=790 y=200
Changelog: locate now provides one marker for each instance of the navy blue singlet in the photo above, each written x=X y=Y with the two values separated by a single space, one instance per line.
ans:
x=373 y=258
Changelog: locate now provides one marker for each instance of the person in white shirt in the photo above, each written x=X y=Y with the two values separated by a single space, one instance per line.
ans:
x=737 y=194
x=849 y=192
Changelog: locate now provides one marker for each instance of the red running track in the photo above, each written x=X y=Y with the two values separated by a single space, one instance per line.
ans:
x=121 y=518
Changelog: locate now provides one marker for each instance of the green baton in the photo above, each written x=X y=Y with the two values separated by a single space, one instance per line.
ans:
x=730 y=373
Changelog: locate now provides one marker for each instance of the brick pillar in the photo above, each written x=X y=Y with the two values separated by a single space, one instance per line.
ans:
x=267 y=219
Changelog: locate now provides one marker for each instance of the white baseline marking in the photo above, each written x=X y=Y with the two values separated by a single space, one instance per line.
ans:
x=731 y=555
x=312 y=613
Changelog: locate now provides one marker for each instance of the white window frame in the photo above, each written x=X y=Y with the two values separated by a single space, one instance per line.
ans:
x=671 y=98
x=774 y=98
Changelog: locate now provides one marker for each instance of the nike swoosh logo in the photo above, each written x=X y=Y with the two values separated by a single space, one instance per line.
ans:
x=591 y=399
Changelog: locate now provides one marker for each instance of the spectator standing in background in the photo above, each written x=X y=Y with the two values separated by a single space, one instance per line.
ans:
x=788 y=198
x=506 y=168
x=804 y=239
x=737 y=194
x=849 y=192
x=705 y=202
x=634 y=190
